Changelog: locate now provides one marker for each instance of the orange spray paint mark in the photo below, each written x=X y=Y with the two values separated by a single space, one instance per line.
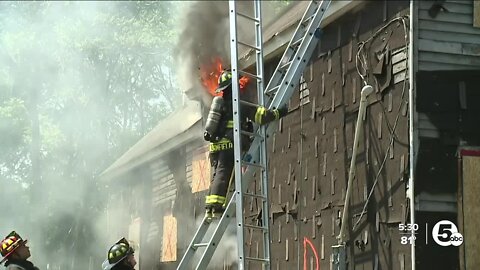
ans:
x=305 y=242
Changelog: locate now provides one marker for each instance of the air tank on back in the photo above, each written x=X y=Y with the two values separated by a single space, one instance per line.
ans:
x=214 y=115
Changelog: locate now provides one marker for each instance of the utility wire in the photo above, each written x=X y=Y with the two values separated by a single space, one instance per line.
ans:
x=364 y=66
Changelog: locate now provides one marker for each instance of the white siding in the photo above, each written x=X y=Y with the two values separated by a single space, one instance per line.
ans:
x=449 y=41
x=163 y=185
x=164 y=189
x=191 y=149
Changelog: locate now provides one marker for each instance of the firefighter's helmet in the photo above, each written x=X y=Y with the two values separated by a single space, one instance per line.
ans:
x=117 y=253
x=10 y=244
x=224 y=80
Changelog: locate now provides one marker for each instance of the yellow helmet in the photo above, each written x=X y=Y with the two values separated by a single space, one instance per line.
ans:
x=10 y=244
x=224 y=80
x=117 y=253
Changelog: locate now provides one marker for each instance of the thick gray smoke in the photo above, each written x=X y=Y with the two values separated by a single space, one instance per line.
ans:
x=37 y=66
x=205 y=36
x=65 y=53
x=226 y=252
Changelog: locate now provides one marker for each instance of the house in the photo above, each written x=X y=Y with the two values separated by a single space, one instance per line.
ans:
x=420 y=136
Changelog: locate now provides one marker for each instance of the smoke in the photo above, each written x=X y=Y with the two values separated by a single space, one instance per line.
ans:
x=53 y=57
x=44 y=64
x=226 y=251
x=204 y=37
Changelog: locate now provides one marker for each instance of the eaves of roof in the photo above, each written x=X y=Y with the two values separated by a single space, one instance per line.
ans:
x=179 y=128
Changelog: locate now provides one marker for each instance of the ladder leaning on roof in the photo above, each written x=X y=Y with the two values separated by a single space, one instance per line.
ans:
x=278 y=91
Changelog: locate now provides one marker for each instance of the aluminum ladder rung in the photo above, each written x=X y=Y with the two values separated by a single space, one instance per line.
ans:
x=303 y=23
x=253 y=164
x=248 y=17
x=256 y=227
x=259 y=196
x=249 y=46
x=200 y=245
x=272 y=90
x=251 y=134
x=296 y=42
x=249 y=75
x=284 y=66
x=249 y=103
x=257 y=259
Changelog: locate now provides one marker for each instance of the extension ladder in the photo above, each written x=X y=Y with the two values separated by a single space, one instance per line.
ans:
x=278 y=91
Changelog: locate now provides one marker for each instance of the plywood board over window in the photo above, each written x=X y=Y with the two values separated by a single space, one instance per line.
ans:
x=169 y=243
x=200 y=171
x=476 y=14
x=470 y=207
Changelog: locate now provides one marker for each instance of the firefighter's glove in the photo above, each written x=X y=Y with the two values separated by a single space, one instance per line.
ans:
x=210 y=138
x=247 y=126
x=282 y=111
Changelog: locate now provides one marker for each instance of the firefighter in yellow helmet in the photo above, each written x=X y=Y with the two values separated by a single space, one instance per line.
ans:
x=120 y=256
x=15 y=253
x=219 y=132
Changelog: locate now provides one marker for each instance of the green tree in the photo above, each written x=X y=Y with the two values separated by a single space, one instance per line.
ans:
x=80 y=82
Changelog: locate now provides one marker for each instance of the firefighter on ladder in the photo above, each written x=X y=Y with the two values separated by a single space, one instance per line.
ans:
x=15 y=252
x=120 y=257
x=219 y=132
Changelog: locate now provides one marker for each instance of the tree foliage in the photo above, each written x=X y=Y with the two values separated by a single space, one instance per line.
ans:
x=80 y=82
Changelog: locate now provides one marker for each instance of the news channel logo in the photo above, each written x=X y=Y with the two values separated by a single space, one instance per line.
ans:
x=445 y=233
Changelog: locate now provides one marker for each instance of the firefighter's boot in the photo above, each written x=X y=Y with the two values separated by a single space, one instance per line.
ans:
x=208 y=214
x=217 y=211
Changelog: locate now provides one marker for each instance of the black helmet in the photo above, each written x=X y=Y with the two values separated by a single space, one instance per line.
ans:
x=117 y=253
x=224 y=80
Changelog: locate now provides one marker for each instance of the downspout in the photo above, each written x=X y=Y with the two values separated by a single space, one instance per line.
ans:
x=411 y=81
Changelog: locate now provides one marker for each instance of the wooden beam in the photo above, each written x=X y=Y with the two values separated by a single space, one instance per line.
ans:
x=476 y=14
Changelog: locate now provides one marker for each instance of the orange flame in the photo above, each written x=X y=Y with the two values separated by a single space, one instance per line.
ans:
x=209 y=76
x=243 y=81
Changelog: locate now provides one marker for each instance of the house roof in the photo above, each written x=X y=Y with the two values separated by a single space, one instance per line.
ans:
x=180 y=127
